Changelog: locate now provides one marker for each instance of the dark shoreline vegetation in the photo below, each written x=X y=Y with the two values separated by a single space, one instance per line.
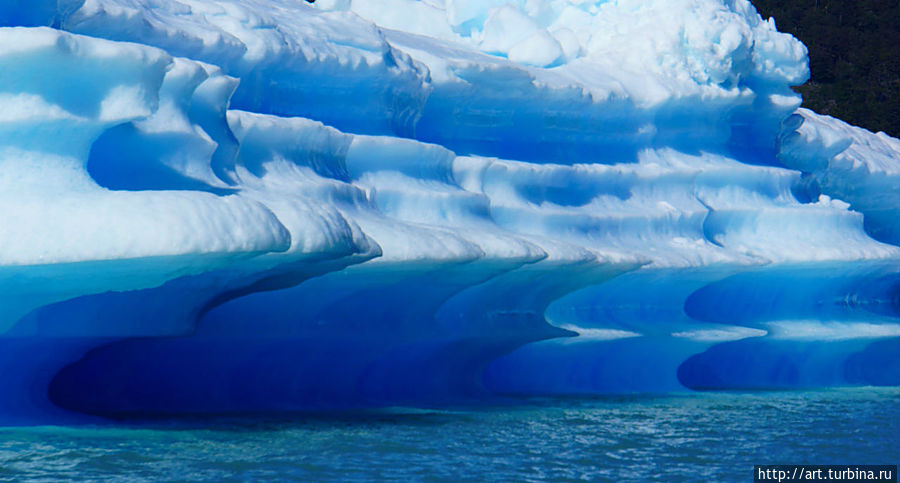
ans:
x=854 y=57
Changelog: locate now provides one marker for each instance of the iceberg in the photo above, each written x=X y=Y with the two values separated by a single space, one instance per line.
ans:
x=271 y=205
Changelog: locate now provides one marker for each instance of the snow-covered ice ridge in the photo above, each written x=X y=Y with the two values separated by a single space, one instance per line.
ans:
x=216 y=206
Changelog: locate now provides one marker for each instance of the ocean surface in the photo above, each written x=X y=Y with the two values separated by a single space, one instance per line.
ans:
x=694 y=437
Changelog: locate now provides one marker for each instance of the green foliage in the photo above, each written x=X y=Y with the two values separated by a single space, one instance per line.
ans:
x=854 y=57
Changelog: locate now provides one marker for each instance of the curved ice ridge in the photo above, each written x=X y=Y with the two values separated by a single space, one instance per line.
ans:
x=263 y=205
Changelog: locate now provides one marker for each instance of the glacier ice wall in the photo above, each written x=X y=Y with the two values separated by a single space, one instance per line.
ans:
x=265 y=205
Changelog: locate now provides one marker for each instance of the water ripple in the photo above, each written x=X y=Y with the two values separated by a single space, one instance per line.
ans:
x=697 y=436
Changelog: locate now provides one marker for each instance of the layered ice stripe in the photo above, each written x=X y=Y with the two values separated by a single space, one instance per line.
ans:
x=161 y=154
x=847 y=163
x=779 y=326
x=699 y=73
x=60 y=93
x=292 y=58
x=278 y=206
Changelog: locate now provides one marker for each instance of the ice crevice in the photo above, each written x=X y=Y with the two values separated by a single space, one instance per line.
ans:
x=214 y=206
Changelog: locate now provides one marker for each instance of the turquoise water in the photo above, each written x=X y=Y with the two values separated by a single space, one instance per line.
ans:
x=692 y=437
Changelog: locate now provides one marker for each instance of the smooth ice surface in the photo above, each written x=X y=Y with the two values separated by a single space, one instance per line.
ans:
x=219 y=206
